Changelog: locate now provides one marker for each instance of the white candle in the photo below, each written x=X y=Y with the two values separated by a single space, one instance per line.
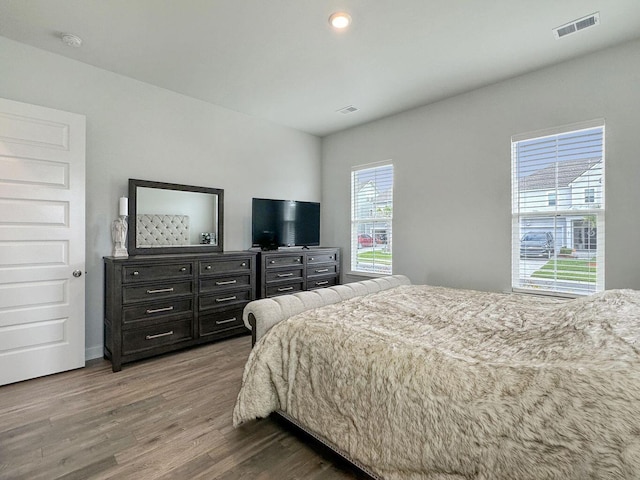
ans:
x=124 y=206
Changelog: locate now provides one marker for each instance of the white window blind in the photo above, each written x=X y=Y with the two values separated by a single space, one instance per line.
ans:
x=372 y=218
x=558 y=210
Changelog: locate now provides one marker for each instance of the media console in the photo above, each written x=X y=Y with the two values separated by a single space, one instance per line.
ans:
x=295 y=270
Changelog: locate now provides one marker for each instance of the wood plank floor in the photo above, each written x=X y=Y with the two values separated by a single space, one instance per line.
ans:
x=162 y=418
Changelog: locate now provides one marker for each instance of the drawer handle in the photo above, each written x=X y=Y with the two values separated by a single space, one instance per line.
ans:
x=312 y=258
x=228 y=282
x=272 y=262
x=298 y=260
x=285 y=289
x=158 y=310
x=226 y=299
x=183 y=269
x=322 y=270
x=282 y=275
x=208 y=267
x=161 y=290
x=165 y=334
x=243 y=264
x=135 y=273
x=321 y=283
x=222 y=322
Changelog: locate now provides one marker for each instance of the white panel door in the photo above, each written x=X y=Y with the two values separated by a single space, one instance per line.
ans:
x=42 y=245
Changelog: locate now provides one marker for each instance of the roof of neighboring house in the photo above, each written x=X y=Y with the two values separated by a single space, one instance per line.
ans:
x=568 y=172
x=379 y=198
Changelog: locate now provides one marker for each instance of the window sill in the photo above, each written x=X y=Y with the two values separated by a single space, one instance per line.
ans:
x=524 y=291
x=367 y=274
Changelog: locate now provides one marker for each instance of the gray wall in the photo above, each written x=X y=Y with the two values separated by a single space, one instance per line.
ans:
x=452 y=223
x=452 y=200
x=135 y=130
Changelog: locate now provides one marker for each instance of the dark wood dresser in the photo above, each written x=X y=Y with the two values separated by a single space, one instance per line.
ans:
x=158 y=303
x=289 y=271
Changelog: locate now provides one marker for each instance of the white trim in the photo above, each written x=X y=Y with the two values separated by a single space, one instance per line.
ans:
x=358 y=273
x=94 y=352
x=549 y=132
x=543 y=293
x=382 y=163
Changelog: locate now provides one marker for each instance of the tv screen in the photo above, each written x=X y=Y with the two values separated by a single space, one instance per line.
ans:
x=284 y=223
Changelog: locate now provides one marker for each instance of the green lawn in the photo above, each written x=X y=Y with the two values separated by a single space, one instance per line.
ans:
x=568 y=269
x=375 y=255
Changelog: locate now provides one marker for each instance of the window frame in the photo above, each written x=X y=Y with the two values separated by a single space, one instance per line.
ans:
x=380 y=223
x=526 y=213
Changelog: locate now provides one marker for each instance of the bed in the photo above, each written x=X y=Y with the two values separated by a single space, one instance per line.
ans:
x=420 y=382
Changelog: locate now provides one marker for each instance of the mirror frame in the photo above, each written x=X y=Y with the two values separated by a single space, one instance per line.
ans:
x=133 y=211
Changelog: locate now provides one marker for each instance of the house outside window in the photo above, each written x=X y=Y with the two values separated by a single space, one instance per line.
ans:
x=558 y=210
x=372 y=218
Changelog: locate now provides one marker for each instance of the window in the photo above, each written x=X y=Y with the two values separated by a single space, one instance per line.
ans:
x=372 y=218
x=589 y=195
x=558 y=210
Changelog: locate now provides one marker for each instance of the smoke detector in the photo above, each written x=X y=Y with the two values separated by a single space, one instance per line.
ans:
x=577 y=25
x=71 y=40
x=348 y=109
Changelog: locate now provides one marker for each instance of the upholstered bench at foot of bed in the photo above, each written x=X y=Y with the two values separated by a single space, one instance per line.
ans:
x=260 y=315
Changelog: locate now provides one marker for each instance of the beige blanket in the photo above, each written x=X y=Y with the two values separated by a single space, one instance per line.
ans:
x=423 y=382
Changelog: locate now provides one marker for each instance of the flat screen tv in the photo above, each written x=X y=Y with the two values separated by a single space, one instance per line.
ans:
x=284 y=223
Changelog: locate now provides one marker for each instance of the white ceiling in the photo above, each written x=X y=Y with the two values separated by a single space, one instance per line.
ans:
x=280 y=60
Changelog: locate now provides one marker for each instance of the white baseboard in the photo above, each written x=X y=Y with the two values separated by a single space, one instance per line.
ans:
x=93 y=352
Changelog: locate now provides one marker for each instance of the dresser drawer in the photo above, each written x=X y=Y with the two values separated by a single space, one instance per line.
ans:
x=224 y=282
x=140 y=339
x=321 y=257
x=133 y=293
x=145 y=273
x=283 y=289
x=313 y=271
x=215 y=322
x=224 y=299
x=322 y=282
x=221 y=266
x=152 y=311
x=274 y=261
x=283 y=275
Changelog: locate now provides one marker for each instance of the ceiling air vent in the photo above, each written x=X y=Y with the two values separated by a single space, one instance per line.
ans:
x=348 y=109
x=577 y=25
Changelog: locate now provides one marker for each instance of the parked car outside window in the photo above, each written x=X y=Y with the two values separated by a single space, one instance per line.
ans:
x=365 y=240
x=381 y=238
x=537 y=244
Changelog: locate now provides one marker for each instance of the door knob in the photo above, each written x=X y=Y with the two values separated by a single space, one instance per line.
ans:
x=77 y=273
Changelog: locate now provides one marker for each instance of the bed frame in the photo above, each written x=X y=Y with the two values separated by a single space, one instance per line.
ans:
x=261 y=315
x=161 y=230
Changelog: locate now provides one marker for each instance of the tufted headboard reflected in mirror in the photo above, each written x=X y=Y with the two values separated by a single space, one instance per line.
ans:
x=174 y=218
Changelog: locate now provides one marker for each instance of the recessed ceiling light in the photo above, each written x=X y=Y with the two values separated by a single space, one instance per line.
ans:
x=71 y=40
x=340 y=20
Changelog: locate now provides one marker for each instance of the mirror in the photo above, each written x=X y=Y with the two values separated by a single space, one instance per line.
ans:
x=174 y=218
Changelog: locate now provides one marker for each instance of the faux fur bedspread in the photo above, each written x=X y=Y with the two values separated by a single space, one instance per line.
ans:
x=422 y=382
